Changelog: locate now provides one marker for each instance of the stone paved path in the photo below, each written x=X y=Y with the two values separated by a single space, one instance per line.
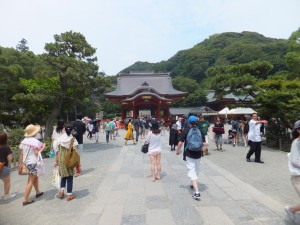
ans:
x=116 y=188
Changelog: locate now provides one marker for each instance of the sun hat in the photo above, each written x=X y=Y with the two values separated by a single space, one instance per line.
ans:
x=192 y=119
x=297 y=125
x=31 y=130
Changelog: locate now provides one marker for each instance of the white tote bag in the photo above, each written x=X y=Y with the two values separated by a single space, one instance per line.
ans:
x=56 y=178
x=40 y=167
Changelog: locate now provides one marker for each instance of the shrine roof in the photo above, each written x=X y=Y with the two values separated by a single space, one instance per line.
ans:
x=133 y=83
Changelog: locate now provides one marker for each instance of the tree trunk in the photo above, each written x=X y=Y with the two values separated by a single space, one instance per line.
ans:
x=52 y=117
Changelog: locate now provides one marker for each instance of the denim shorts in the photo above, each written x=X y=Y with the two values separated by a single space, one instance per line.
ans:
x=31 y=169
x=5 y=172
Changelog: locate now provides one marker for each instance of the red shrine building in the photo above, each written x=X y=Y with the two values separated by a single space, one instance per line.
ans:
x=145 y=94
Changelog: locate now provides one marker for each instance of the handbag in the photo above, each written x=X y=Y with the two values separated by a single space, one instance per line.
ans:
x=1 y=166
x=40 y=166
x=72 y=158
x=23 y=168
x=56 y=178
x=145 y=148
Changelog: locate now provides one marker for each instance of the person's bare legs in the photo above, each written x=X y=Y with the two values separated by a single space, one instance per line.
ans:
x=195 y=186
x=158 y=166
x=295 y=208
x=30 y=183
x=6 y=181
x=152 y=160
x=245 y=137
x=36 y=185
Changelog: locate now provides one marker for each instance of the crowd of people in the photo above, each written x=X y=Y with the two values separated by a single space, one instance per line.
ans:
x=191 y=133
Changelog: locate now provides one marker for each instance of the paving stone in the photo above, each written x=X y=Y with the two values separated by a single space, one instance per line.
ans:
x=159 y=216
x=112 y=214
x=133 y=220
x=216 y=192
x=157 y=202
x=256 y=209
x=214 y=215
x=221 y=181
x=137 y=173
x=184 y=214
x=236 y=193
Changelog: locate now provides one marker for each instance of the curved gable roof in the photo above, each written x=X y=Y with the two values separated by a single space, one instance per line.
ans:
x=129 y=84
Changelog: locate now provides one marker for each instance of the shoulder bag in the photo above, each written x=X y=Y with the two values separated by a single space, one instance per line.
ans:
x=23 y=168
x=72 y=158
x=1 y=166
x=145 y=148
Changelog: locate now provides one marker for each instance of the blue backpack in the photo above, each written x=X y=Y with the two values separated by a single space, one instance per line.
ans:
x=235 y=124
x=194 y=140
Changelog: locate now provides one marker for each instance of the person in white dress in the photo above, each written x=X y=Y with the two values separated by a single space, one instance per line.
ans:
x=154 y=151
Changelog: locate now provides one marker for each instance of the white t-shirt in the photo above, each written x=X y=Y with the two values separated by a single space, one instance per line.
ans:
x=28 y=146
x=154 y=141
x=178 y=123
x=254 y=131
x=56 y=136
x=294 y=158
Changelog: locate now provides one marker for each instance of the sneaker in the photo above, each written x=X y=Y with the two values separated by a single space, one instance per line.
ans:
x=9 y=196
x=196 y=196
x=191 y=186
x=288 y=211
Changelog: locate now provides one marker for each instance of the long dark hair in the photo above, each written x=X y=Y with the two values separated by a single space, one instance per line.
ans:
x=3 y=138
x=69 y=128
x=295 y=134
x=60 y=126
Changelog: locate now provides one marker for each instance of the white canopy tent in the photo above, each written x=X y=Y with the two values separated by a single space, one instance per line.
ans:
x=224 y=111
x=241 y=111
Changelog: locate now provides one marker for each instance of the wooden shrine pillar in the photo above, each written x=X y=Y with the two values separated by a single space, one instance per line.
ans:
x=158 y=116
x=133 y=110
x=123 y=113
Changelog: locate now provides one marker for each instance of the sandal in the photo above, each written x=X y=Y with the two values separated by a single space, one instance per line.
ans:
x=27 y=203
x=70 y=197
x=39 y=194
x=61 y=194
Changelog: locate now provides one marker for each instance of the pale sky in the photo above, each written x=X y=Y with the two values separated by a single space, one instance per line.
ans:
x=127 y=31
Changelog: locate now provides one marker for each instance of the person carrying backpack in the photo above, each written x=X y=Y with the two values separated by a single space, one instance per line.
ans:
x=234 y=128
x=193 y=140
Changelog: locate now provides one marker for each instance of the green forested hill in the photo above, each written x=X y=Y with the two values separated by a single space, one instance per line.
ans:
x=220 y=50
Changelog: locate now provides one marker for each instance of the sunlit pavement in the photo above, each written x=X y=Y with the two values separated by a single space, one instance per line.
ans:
x=115 y=188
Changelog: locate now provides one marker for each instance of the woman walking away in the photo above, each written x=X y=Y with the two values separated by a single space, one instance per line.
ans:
x=96 y=129
x=294 y=167
x=154 y=151
x=30 y=148
x=218 y=129
x=129 y=132
x=65 y=173
x=5 y=157
x=57 y=133
x=245 y=132
x=173 y=138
